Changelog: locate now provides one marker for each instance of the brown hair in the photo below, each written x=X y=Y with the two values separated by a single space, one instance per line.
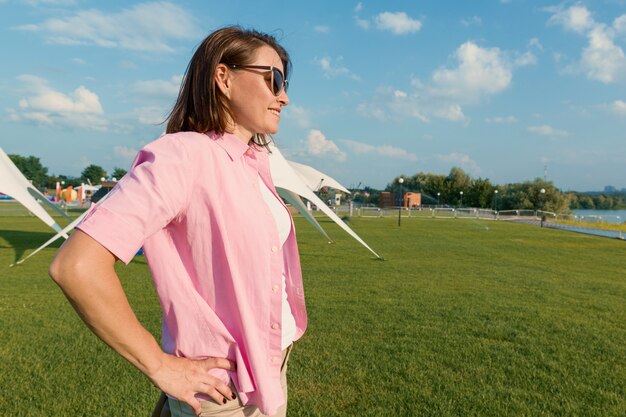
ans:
x=201 y=106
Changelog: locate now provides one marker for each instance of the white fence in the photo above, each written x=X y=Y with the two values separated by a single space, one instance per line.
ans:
x=445 y=213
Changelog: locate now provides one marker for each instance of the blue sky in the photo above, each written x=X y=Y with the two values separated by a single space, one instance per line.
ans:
x=500 y=88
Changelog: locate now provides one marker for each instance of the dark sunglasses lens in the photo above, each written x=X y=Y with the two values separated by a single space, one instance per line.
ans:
x=278 y=81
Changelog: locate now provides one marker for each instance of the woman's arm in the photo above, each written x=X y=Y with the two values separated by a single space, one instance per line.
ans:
x=84 y=269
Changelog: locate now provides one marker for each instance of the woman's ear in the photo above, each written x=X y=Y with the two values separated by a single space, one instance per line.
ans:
x=223 y=79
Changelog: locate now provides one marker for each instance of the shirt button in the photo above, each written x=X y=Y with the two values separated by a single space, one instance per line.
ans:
x=275 y=326
x=274 y=249
x=275 y=288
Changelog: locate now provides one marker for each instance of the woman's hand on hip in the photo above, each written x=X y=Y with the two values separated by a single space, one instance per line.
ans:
x=183 y=378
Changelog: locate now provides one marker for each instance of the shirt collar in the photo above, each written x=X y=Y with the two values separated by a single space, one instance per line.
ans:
x=234 y=147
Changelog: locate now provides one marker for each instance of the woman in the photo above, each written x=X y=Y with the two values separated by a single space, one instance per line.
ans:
x=219 y=242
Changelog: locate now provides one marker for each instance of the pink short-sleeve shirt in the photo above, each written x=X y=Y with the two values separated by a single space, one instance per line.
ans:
x=193 y=202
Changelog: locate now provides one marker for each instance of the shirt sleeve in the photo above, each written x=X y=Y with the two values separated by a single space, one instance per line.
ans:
x=153 y=193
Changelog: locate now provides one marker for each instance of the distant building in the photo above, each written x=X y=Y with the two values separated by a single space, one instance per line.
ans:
x=412 y=200
x=387 y=199
x=609 y=189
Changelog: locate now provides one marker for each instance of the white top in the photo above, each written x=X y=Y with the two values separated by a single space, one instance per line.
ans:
x=283 y=224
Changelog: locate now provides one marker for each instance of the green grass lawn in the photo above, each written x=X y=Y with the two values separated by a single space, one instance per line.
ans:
x=463 y=318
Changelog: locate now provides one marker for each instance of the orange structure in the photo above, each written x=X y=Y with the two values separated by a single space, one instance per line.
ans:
x=411 y=200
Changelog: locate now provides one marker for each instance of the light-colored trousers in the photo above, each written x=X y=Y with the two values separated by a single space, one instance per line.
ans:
x=232 y=408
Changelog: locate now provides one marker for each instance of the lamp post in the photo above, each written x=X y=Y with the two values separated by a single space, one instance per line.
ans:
x=400 y=181
x=543 y=216
x=495 y=200
x=438 y=195
x=461 y=203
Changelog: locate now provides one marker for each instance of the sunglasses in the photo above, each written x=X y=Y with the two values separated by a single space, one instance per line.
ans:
x=278 y=81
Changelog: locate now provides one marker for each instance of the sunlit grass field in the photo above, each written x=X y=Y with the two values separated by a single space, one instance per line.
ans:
x=463 y=318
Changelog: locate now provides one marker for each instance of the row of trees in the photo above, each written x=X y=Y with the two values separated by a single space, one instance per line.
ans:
x=459 y=189
x=455 y=189
x=33 y=169
x=595 y=201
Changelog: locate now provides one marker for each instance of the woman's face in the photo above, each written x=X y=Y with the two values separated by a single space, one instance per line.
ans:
x=253 y=104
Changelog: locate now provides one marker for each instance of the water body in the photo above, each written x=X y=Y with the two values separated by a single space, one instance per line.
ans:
x=609 y=216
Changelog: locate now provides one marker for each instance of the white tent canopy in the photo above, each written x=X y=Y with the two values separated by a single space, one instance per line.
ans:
x=289 y=185
x=315 y=179
x=14 y=184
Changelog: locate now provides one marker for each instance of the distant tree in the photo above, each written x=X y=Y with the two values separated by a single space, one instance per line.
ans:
x=580 y=201
x=603 y=202
x=480 y=193
x=118 y=173
x=93 y=173
x=528 y=195
x=457 y=181
x=32 y=169
x=598 y=201
x=434 y=183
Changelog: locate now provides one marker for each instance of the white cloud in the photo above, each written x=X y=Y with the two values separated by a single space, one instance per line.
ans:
x=362 y=23
x=150 y=115
x=159 y=88
x=398 y=23
x=535 y=42
x=369 y=109
x=619 y=24
x=46 y=99
x=79 y=61
x=619 y=107
x=390 y=103
x=321 y=29
x=144 y=27
x=299 y=115
x=332 y=70
x=317 y=144
x=125 y=152
x=545 y=130
x=473 y=20
x=452 y=112
x=601 y=59
x=527 y=58
x=462 y=160
x=481 y=71
x=501 y=120
x=576 y=18
x=44 y=105
x=382 y=150
x=358 y=7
